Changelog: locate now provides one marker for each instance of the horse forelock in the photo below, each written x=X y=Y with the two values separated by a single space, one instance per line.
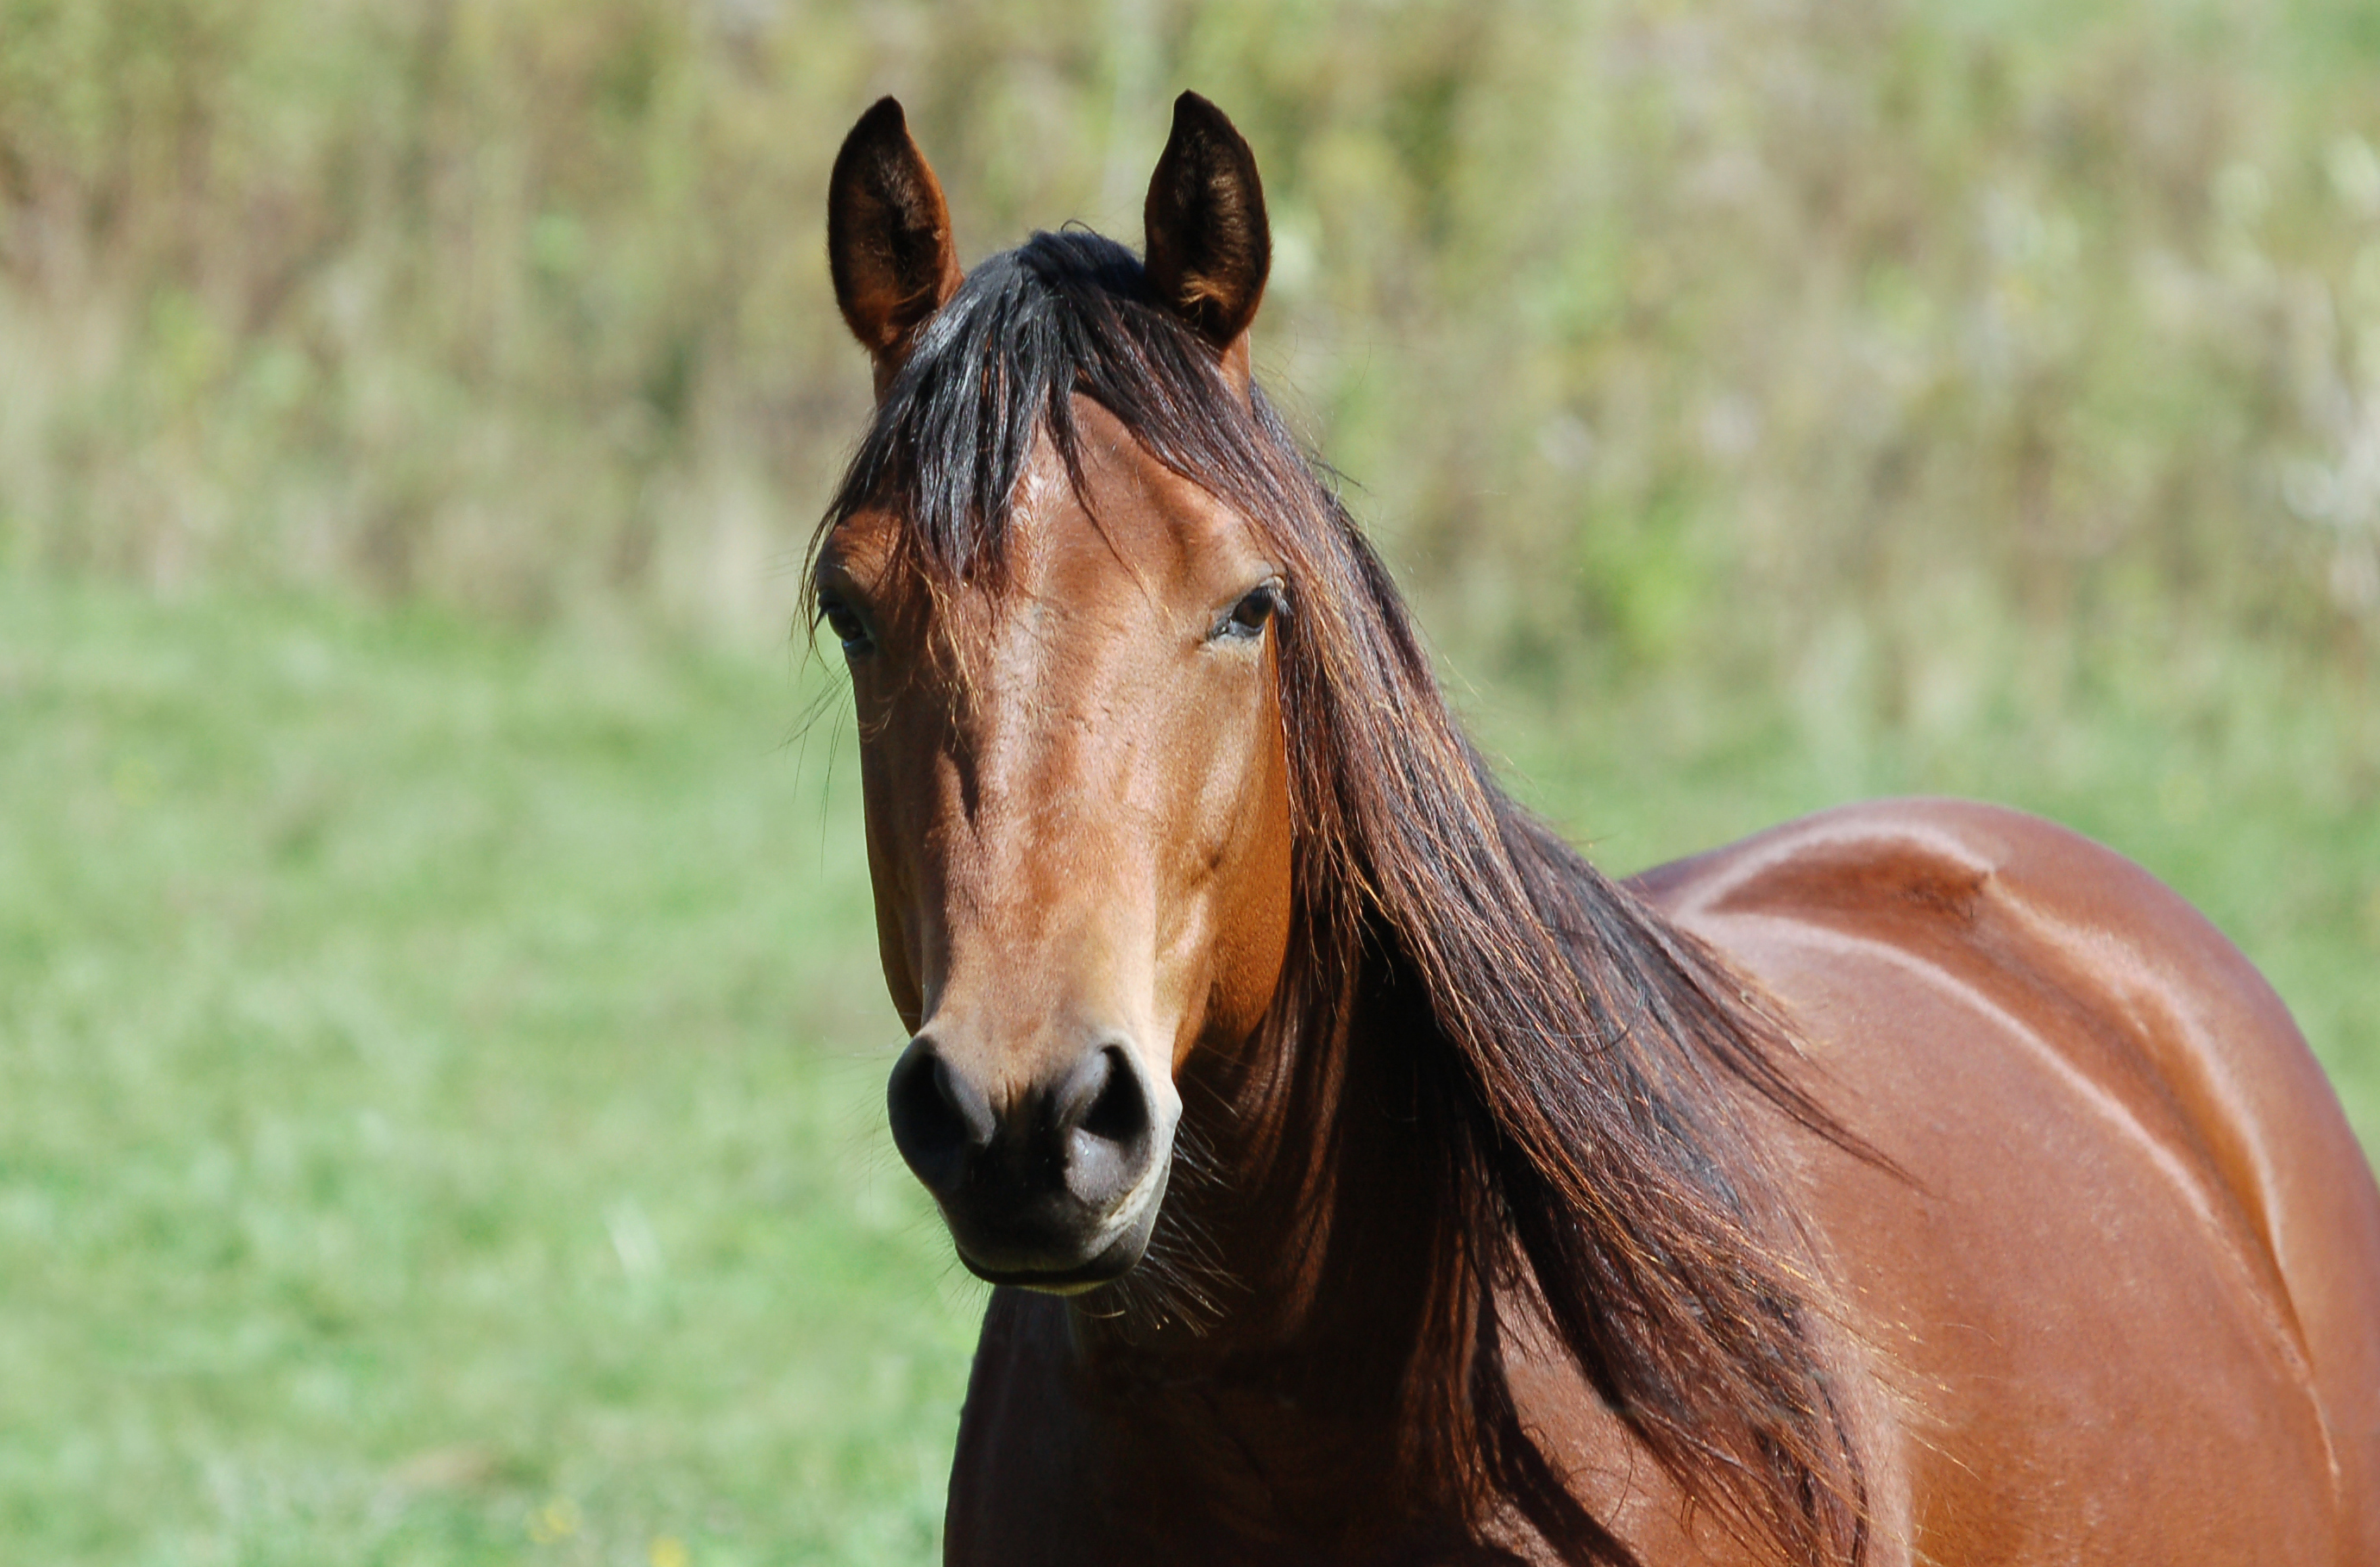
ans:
x=997 y=369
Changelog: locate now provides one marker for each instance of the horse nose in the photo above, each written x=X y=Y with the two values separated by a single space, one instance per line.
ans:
x=941 y=1120
x=1083 y=1142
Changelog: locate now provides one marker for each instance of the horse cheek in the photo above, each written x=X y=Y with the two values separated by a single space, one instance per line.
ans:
x=1254 y=916
x=890 y=887
x=892 y=953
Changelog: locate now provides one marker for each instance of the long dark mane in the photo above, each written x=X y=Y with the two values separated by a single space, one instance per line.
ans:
x=1580 y=1075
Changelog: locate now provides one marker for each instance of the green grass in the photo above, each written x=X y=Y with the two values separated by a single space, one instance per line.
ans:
x=439 y=1067
x=437 y=1087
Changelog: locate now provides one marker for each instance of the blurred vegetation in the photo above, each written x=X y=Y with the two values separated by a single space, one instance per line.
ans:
x=1655 y=333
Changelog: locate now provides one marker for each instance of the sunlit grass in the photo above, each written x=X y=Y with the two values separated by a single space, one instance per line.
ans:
x=440 y=1069
x=437 y=1085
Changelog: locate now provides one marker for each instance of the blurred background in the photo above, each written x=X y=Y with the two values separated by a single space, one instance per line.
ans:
x=441 y=1047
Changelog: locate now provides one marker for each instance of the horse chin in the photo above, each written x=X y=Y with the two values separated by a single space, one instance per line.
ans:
x=1114 y=1250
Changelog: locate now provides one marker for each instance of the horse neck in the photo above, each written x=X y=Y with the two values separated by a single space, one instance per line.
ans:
x=1343 y=1314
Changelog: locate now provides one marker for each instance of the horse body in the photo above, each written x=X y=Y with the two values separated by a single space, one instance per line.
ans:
x=2112 y=1304
x=2125 y=1295
x=1365 y=1179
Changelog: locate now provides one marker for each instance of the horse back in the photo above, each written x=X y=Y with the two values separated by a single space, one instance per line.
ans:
x=2124 y=1283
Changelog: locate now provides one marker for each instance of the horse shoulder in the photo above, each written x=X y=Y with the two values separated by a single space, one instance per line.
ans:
x=2127 y=1196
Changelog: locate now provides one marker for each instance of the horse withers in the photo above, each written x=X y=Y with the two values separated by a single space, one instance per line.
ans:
x=1365 y=1179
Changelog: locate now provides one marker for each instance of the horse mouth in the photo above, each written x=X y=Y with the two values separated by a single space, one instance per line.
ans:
x=1056 y=1264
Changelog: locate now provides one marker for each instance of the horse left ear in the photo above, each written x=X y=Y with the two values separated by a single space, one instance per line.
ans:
x=1208 y=245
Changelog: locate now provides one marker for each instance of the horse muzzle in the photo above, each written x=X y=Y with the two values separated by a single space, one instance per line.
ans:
x=1056 y=1187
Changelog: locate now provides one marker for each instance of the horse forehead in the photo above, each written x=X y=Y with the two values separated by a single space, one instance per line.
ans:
x=1134 y=527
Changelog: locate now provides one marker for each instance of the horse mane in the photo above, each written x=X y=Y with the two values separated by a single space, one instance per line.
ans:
x=1578 y=1060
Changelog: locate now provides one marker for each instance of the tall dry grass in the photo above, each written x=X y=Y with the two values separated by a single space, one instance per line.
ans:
x=1655 y=333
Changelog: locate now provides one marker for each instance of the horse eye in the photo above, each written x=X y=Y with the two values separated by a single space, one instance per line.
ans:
x=845 y=622
x=1249 y=617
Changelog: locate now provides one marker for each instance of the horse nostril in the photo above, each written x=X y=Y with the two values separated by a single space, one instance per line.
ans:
x=1107 y=1125
x=939 y=1118
x=1120 y=1110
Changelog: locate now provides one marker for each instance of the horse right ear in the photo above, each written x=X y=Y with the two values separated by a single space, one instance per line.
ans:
x=888 y=238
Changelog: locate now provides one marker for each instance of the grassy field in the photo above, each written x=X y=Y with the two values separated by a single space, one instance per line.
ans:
x=439 y=1067
x=438 y=1085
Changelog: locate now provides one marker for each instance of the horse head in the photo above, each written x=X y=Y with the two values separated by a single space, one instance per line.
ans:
x=1063 y=656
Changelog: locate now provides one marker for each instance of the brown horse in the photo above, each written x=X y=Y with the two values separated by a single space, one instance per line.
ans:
x=1365 y=1178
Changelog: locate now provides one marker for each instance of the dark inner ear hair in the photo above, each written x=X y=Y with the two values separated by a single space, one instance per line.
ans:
x=1209 y=247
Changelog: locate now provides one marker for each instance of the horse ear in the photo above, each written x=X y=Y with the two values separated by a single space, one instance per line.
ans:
x=1209 y=247
x=888 y=237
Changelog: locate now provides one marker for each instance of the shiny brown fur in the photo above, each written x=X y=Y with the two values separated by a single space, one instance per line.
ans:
x=1373 y=1181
